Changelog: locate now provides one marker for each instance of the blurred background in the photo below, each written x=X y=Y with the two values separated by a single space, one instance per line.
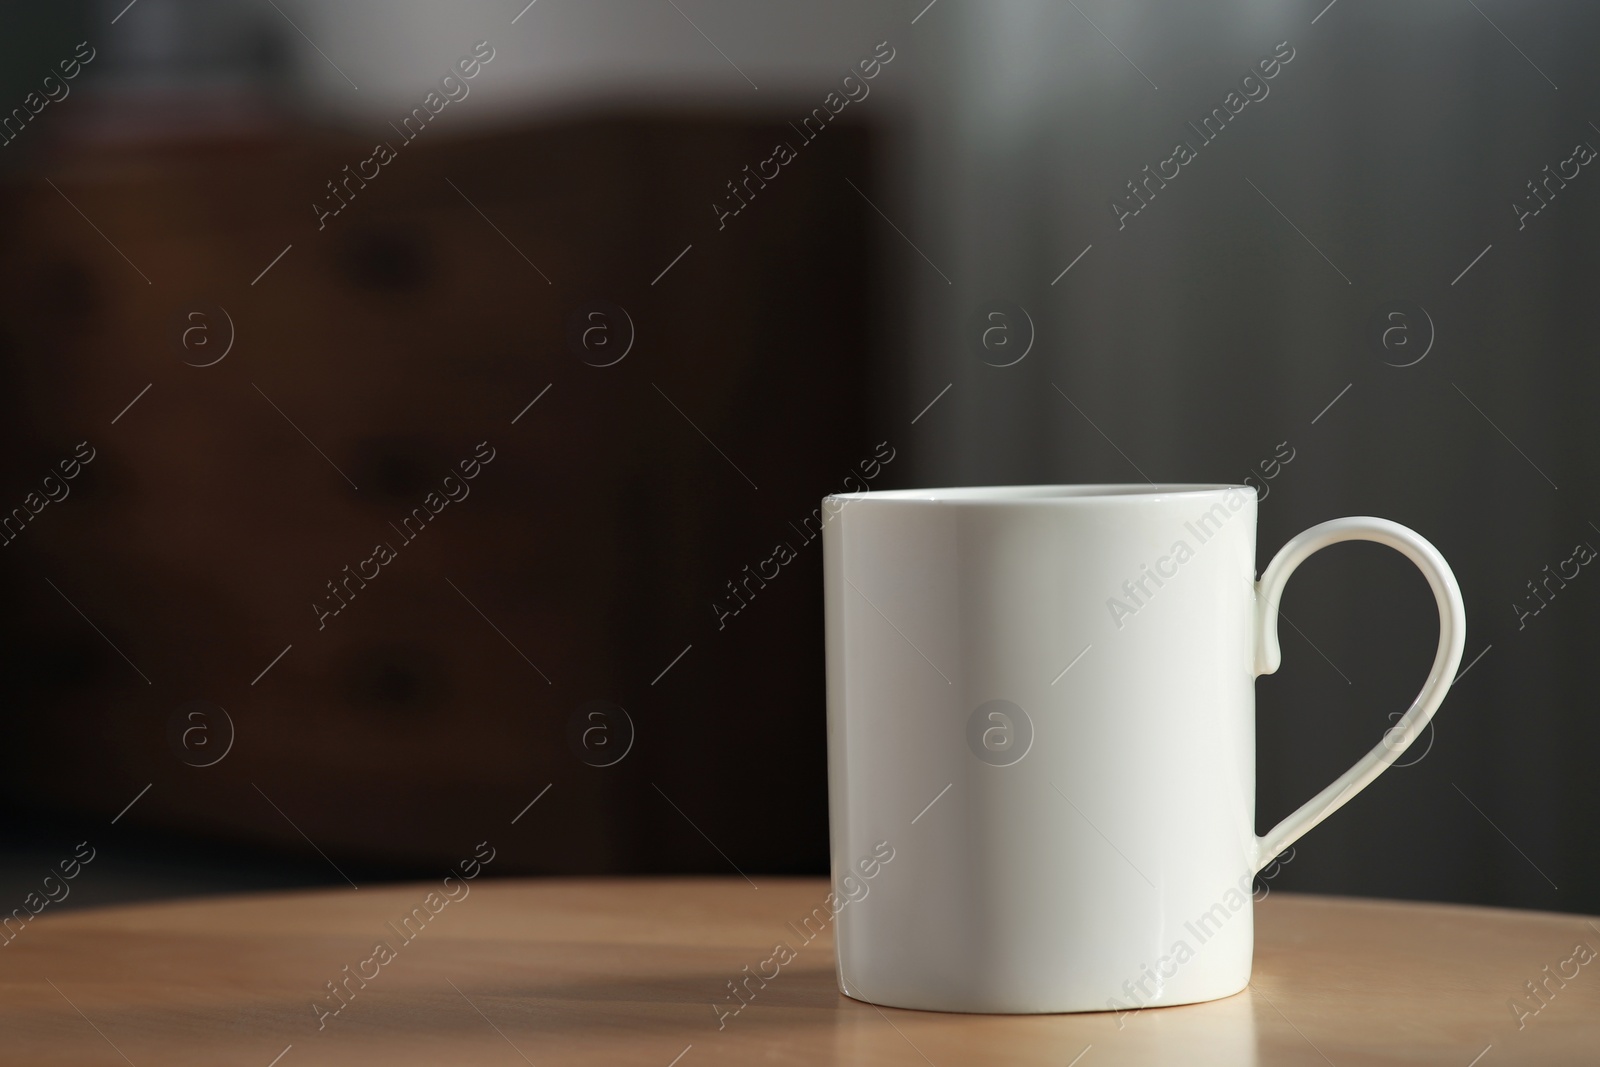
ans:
x=403 y=403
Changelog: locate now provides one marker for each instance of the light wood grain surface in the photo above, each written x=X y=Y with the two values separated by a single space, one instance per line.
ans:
x=627 y=972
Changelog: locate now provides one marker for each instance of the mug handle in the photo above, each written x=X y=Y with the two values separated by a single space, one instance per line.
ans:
x=1452 y=639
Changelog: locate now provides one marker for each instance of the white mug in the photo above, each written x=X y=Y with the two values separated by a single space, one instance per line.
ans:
x=1042 y=697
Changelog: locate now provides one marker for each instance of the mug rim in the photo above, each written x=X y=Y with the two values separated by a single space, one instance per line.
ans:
x=1044 y=494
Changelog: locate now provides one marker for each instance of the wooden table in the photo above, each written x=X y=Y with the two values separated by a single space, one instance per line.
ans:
x=627 y=972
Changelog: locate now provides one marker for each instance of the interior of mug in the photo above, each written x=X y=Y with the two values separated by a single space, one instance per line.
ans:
x=1003 y=493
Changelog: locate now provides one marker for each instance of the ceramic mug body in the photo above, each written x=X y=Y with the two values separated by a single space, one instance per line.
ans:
x=1041 y=703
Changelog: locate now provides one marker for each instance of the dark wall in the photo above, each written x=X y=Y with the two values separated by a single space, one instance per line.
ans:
x=1242 y=299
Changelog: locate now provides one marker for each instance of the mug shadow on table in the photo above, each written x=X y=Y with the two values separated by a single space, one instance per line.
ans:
x=807 y=999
